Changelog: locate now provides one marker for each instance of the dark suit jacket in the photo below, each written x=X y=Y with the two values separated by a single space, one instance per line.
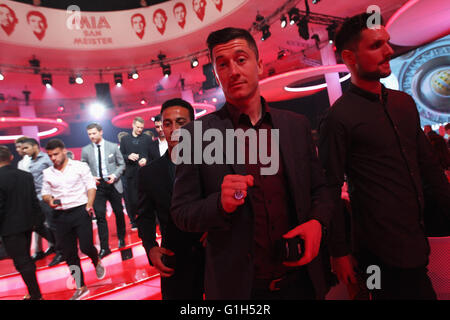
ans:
x=155 y=185
x=154 y=150
x=196 y=205
x=19 y=205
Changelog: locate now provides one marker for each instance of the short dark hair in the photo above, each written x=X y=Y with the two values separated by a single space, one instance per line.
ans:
x=5 y=154
x=54 y=144
x=227 y=34
x=20 y=140
x=349 y=33
x=157 y=118
x=94 y=125
x=181 y=103
x=31 y=141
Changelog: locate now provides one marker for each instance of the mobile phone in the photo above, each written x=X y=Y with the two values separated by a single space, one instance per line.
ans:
x=57 y=202
x=169 y=261
x=293 y=248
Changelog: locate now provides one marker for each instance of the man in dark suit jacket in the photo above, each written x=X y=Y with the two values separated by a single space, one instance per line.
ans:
x=159 y=145
x=180 y=259
x=248 y=209
x=19 y=213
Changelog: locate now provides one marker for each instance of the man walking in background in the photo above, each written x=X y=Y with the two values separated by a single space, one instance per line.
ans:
x=107 y=165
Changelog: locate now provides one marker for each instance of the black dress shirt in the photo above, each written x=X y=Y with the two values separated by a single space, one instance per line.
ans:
x=140 y=145
x=377 y=142
x=269 y=198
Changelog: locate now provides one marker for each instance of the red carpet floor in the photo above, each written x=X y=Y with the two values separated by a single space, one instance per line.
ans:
x=131 y=279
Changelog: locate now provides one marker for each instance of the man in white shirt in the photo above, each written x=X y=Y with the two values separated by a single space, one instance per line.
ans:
x=69 y=188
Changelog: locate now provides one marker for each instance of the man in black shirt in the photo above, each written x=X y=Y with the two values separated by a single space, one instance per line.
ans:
x=135 y=149
x=373 y=136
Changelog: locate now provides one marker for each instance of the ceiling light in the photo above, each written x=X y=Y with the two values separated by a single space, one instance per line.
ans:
x=194 y=62
x=47 y=79
x=118 y=80
x=283 y=21
x=332 y=31
x=79 y=79
x=265 y=32
x=294 y=15
x=2 y=77
x=143 y=101
x=166 y=69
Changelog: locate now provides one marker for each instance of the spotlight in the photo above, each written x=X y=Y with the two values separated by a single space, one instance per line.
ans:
x=2 y=77
x=331 y=31
x=79 y=79
x=283 y=21
x=194 y=63
x=72 y=79
x=118 y=80
x=61 y=108
x=35 y=64
x=294 y=15
x=133 y=75
x=265 y=32
x=166 y=69
x=303 y=28
x=97 y=110
x=47 y=79
x=143 y=101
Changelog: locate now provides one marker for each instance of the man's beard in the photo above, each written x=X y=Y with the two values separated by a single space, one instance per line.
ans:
x=373 y=75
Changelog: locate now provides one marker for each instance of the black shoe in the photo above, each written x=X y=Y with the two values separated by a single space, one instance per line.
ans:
x=57 y=260
x=49 y=251
x=121 y=243
x=38 y=256
x=104 y=253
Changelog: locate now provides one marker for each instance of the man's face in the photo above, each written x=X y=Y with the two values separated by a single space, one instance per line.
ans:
x=37 y=24
x=237 y=70
x=19 y=149
x=30 y=150
x=137 y=24
x=159 y=128
x=373 y=54
x=138 y=127
x=180 y=14
x=6 y=17
x=94 y=135
x=58 y=156
x=174 y=118
x=159 y=21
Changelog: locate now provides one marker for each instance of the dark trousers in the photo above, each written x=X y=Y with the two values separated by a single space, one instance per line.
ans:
x=48 y=230
x=133 y=197
x=125 y=195
x=17 y=246
x=397 y=283
x=187 y=283
x=74 y=225
x=107 y=192
x=296 y=285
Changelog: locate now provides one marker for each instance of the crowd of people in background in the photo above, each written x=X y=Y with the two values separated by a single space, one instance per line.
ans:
x=228 y=231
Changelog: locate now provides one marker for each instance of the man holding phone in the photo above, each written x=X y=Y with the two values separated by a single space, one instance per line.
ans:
x=249 y=215
x=69 y=188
